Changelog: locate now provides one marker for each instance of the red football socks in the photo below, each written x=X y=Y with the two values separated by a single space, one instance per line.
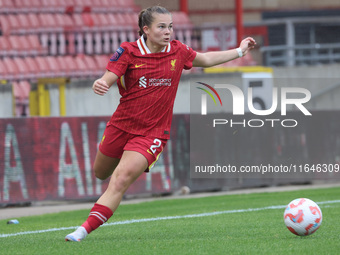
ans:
x=98 y=216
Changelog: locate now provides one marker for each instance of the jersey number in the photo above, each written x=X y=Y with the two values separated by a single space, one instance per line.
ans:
x=157 y=144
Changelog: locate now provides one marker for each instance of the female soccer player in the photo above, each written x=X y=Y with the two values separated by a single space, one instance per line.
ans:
x=147 y=73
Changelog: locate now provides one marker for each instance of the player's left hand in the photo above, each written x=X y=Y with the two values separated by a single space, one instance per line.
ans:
x=247 y=44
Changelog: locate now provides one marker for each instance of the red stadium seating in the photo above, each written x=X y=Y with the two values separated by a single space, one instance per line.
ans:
x=17 y=45
x=5 y=48
x=25 y=25
x=3 y=71
x=35 y=46
x=34 y=23
x=74 y=38
x=54 y=67
x=28 y=6
x=23 y=72
x=21 y=92
x=20 y=45
x=43 y=67
x=101 y=61
x=14 y=24
x=11 y=69
x=92 y=66
x=6 y=6
x=32 y=66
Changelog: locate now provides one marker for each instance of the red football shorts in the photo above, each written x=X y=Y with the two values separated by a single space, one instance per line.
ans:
x=115 y=141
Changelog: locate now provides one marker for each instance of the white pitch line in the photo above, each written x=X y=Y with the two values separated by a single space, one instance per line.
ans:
x=164 y=218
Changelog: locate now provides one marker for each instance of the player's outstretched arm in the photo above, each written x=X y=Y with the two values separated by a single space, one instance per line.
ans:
x=213 y=58
x=102 y=85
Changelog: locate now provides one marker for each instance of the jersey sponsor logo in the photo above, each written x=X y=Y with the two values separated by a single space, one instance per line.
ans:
x=173 y=64
x=142 y=82
x=137 y=66
x=117 y=54
x=159 y=82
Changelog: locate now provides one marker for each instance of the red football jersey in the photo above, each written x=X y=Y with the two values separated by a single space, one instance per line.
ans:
x=148 y=84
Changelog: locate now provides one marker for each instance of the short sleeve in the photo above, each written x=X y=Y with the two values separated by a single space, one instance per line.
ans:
x=189 y=56
x=119 y=61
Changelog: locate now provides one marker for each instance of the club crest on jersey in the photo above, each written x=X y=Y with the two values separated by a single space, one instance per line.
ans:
x=173 y=64
x=117 y=54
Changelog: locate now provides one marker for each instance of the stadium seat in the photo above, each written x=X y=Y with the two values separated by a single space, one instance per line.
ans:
x=127 y=5
x=19 y=45
x=21 y=92
x=50 y=30
x=34 y=23
x=53 y=6
x=43 y=67
x=5 y=49
x=92 y=65
x=25 y=24
x=65 y=22
x=183 y=27
x=123 y=27
x=102 y=25
x=54 y=67
x=101 y=6
x=7 y=6
x=69 y=66
x=88 y=20
x=44 y=38
x=32 y=66
x=78 y=35
x=48 y=23
x=28 y=6
x=14 y=24
x=132 y=19
x=89 y=27
x=82 y=5
x=102 y=61
x=114 y=35
x=102 y=39
x=78 y=22
x=83 y=69
x=5 y=25
x=4 y=74
x=64 y=6
x=35 y=45
x=23 y=71
x=11 y=68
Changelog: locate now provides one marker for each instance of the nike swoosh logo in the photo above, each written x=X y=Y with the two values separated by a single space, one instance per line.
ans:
x=149 y=152
x=138 y=65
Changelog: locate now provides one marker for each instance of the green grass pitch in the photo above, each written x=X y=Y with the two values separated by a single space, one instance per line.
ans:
x=229 y=224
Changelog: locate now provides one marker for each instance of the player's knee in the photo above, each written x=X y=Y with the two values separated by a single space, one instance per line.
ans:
x=121 y=182
x=102 y=175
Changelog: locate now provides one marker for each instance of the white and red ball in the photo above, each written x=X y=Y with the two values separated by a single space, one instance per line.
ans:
x=302 y=216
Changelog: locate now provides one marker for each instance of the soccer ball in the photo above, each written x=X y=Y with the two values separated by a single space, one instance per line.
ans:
x=302 y=217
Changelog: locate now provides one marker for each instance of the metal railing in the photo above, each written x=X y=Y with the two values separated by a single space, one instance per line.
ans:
x=292 y=50
x=304 y=54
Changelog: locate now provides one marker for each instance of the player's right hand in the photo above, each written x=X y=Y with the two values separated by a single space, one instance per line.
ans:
x=100 y=87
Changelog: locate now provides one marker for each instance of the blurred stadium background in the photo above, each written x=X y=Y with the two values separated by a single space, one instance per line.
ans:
x=52 y=50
